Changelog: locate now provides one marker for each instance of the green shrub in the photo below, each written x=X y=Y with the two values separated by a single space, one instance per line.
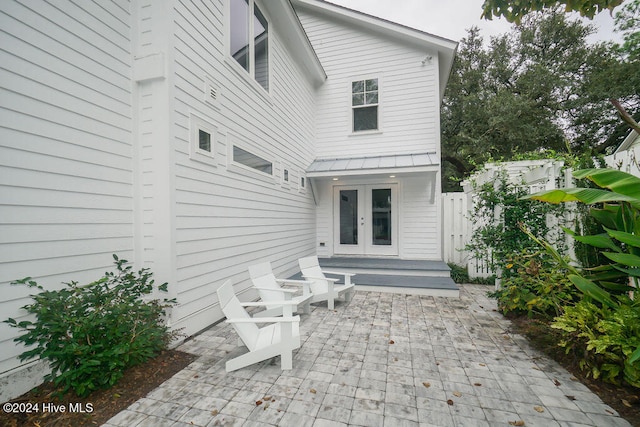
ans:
x=90 y=334
x=534 y=284
x=604 y=339
x=460 y=274
x=499 y=210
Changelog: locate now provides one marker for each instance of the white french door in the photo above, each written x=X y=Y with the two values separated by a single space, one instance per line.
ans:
x=365 y=219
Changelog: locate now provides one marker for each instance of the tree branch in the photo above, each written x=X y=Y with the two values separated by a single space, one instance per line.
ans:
x=626 y=117
x=457 y=163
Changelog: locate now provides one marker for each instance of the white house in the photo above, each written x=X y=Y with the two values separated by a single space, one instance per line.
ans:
x=196 y=138
x=627 y=156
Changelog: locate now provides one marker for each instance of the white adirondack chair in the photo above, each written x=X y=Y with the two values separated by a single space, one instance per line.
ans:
x=278 y=339
x=325 y=288
x=270 y=290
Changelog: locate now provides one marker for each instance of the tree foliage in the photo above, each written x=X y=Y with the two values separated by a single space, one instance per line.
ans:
x=541 y=86
x=515 y=10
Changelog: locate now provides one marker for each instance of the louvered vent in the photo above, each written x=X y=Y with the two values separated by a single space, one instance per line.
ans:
x=211 y=92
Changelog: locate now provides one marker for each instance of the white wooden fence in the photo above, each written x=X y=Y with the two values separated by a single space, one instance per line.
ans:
x=537 y=175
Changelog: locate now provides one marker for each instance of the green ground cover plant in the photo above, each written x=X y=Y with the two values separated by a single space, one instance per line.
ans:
x=604 y=327
x=90 y=334
x=535 y=285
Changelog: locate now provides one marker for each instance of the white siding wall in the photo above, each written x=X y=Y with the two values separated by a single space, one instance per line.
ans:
x=419 y=236
x=227 y=218
x=65 y=149
x=408 y=119
x=420 y=218
x=409 y=100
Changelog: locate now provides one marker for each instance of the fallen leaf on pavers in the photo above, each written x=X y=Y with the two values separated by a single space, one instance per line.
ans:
x=626 y=403
x=556 y=382
x=392 y=342
x=539 y=409
x=395 y=359
x=313 y=390
x=450 y=402
x=426 y=384
x=265 y=406
x=196 y=376
x=516 y=423
x=570 y=397
x=477 y=384
x=214 y=412
x=259 y=402
x=482 y=364
x=609 y=412
x=266 y=398
x=574 y=379
x=457 y=394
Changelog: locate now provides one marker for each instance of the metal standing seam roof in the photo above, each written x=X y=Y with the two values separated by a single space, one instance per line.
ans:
x=418 y=161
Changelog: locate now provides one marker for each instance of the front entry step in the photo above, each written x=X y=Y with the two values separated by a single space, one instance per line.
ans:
x=414 y=285
x=415 y=277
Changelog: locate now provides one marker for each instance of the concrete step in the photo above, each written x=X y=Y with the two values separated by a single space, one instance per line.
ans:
x=415 y=277
x=387 y=266
x=414 y=285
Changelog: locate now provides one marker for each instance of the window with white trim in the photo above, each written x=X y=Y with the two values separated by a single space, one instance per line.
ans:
x=364 y=105
x=251 y=160
x=249 y=39
x=202 y=140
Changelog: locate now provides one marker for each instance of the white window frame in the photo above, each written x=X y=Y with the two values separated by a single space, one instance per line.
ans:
x=243 y=169
x=352 y=108
x=249 y=75
x=302 y=178
x=285 y=170
x=197 y=124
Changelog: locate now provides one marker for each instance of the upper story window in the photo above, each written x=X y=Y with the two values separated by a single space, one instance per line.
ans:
x=364 y=102
x=249 y=39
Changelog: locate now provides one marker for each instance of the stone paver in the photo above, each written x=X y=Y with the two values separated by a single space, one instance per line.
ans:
x=381 y=360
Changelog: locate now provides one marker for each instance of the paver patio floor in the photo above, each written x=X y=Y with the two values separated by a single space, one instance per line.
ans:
x=381 y=360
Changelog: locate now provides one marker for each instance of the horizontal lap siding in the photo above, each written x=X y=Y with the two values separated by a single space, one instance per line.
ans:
x=419 y=227
x=65 y=147
x=409 y=101
x=227 y=220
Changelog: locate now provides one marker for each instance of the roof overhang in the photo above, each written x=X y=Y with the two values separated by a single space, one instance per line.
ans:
x=285 y=19
x=445 y=48
x=631 y=139
x=402 y=164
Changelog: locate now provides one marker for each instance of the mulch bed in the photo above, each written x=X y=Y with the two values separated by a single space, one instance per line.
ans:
x=101 y=405
x=623 y=398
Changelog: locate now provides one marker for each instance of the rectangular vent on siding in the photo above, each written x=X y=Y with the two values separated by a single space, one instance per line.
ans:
x=211 y=92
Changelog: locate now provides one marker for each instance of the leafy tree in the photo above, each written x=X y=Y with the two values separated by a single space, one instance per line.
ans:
x=628 y=23
x=515 y=10
x=541 y=86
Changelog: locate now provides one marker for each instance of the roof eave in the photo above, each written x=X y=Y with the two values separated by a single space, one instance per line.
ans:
x=290 y=29
x=446 y=48
x=376 y=171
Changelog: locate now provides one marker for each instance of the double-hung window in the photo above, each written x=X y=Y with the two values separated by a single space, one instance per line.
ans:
x=249 y=39
x=364 y=103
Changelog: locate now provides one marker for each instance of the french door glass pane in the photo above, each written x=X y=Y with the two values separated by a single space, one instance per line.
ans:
x=348 y=217
x=381 y=215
